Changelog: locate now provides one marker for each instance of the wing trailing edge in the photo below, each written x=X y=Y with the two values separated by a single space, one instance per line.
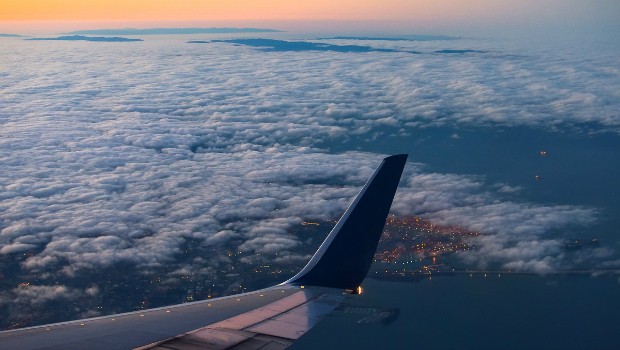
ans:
x=343 y=260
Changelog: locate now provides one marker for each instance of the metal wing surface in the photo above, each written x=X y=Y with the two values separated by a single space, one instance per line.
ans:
x=271 y=318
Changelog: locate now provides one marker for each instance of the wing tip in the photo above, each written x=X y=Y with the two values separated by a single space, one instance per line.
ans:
x=397 y=160
x=402 y=156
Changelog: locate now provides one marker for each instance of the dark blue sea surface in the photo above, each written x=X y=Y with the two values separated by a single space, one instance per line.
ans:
x=462 y=312
x=579 y=168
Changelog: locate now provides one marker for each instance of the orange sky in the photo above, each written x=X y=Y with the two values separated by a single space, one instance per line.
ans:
x=141 y=10
x=219 y=10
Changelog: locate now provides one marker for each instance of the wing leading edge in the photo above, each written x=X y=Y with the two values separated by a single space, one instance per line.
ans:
x=271 y=318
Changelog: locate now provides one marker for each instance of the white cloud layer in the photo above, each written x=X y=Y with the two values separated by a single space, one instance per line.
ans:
x=120 y=153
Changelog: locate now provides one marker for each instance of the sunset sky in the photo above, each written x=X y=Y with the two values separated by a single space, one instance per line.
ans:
x=395 y=14
x=140 y=10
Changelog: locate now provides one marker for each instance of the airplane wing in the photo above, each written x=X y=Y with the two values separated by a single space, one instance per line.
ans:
x=267 y=319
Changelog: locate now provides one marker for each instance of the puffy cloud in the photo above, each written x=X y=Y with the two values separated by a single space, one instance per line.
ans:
x=150 y=212
x=513 y=234
x=16 y=248
x=42 y=294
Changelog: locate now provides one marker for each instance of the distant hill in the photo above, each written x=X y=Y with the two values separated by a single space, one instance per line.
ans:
x=86 y=38
x=167 y=31
x=10 y=36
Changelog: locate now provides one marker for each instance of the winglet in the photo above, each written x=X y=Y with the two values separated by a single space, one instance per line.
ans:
x=343 y=260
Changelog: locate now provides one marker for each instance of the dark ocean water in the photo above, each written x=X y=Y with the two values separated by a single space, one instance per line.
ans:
x=462 y=312
x=581 y=167
x=586 y=164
